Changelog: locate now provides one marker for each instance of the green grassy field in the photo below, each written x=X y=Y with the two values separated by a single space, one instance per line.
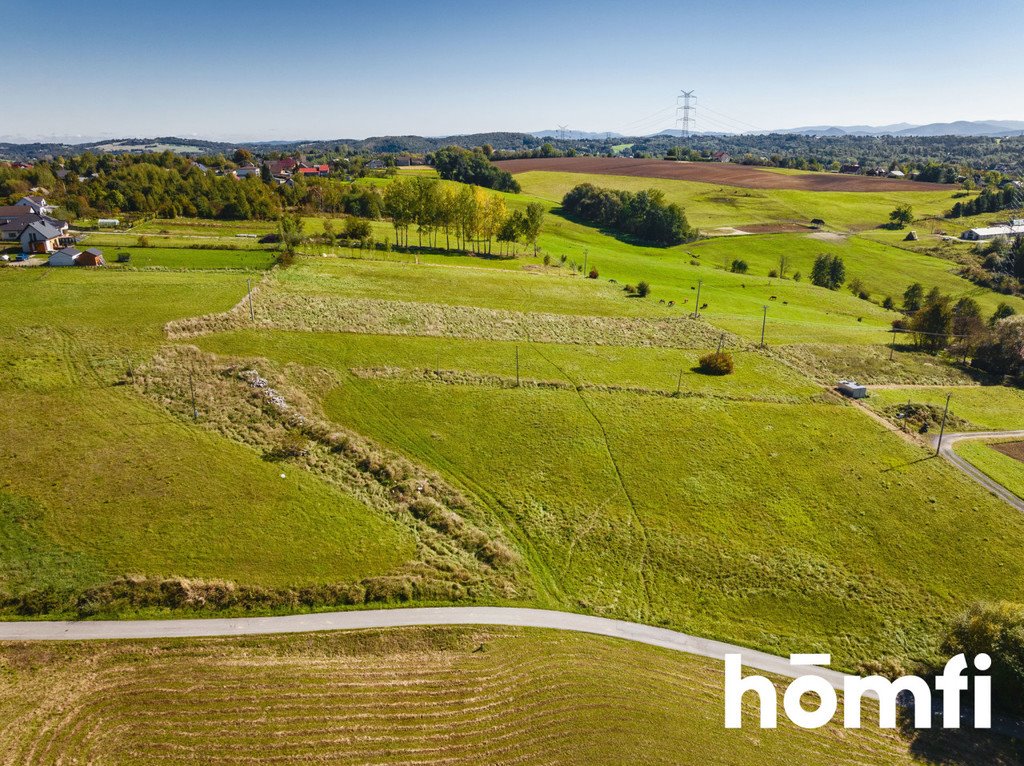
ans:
x=710 y=205
x=988 y=408
x=1002 y=468
x=114 y=486
x=189 y=258
x=746 y=521
x=427 y=696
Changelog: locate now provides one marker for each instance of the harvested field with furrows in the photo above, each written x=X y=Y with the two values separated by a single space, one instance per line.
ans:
x=728 y=174
x=316 y=313
x=417 y=695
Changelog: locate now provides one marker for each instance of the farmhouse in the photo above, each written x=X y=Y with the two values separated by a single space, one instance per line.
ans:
x=991 y=232
x=314 y=170
x=247 y=170
x=851 y=168
x=34 y=203
x=42 y=237
x=66 y=257
x=721 y=157
x=282 y=167
x=375 y=165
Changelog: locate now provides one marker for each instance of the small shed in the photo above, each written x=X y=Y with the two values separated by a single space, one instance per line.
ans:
x=65 y=257
x=852 y=389
x=91 y=257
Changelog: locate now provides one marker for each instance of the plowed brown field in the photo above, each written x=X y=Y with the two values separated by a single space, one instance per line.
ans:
x=745 y=176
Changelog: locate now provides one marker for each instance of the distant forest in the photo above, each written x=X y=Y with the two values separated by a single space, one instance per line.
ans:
x=968 y=153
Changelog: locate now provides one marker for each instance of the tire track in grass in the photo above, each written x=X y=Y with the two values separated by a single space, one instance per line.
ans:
x=644 y=533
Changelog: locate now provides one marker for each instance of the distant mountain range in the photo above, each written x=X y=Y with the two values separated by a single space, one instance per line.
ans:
x=994 y=128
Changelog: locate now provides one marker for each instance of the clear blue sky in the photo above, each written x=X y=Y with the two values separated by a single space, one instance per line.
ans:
x=262 y=70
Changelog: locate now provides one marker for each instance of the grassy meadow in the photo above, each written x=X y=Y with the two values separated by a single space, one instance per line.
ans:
x=423 y=695
x=1002 y=468
x=986 y=408
x=753 y=507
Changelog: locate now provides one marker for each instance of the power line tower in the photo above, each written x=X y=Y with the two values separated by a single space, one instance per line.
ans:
x=684 y=112
x=684 y=119
x=561 y=131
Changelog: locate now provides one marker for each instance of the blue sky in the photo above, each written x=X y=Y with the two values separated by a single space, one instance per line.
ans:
x=261 y=70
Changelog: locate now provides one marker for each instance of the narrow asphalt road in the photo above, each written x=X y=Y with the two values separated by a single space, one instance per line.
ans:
x=993 y=486
x=393 y=618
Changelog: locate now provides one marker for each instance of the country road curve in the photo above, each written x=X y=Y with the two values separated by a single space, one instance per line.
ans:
x=416 y=616
x=949 y=440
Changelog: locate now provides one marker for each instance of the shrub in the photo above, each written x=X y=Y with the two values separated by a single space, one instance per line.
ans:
x=643 y=289
x=717 y=363
x=739 y=267
x=631 y=289
x=997 y=630
x=593 y=273
x=547 y=259
x=773 y=273
x=797 y=276
x=889 y=303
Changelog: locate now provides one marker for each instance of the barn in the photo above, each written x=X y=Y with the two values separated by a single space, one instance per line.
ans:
x=91 y=257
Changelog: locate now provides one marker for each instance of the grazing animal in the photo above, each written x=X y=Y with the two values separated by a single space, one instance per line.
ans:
x=613 y=281
x=692 y=287
x=785 y=303
x=671 y=303
x=662 y=300
x=704 y=306
x=774 y=298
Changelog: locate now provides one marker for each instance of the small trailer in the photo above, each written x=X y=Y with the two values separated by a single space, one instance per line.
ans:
x=852 y=389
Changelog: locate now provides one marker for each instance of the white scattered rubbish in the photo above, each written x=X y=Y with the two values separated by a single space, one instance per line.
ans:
x=255 y=380
x=283 y=476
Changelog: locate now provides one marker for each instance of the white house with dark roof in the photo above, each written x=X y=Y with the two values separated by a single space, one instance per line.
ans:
x=41 y=237
x=36 y=204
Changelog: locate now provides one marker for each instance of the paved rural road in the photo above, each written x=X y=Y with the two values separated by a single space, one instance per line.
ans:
x=392 y=618
x=993 y=486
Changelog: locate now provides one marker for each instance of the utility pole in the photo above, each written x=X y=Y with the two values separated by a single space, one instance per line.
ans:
x=720 y=342
x=561 y=132
x=517 y=366
x=696 y=306
x=679 y=383
x=764 y=321
x=252 y=311
x=942 y=428
x=586 y=252
x=892 y=346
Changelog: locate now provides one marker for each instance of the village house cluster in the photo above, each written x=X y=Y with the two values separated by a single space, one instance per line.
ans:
x=30 y=222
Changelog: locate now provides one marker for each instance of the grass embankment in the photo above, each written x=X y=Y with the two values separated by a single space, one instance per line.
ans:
x=423 y=695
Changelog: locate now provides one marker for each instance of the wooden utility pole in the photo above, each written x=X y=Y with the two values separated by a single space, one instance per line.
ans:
x=679 y=382
x=517 y=366
x=252 y=311
x=892 y=346
x=942 y=428
x=764 y=322
x=696 y=306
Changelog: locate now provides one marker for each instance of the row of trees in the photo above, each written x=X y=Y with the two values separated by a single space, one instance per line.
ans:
x=466 y=215
x=645 y=215
x=991 y=200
